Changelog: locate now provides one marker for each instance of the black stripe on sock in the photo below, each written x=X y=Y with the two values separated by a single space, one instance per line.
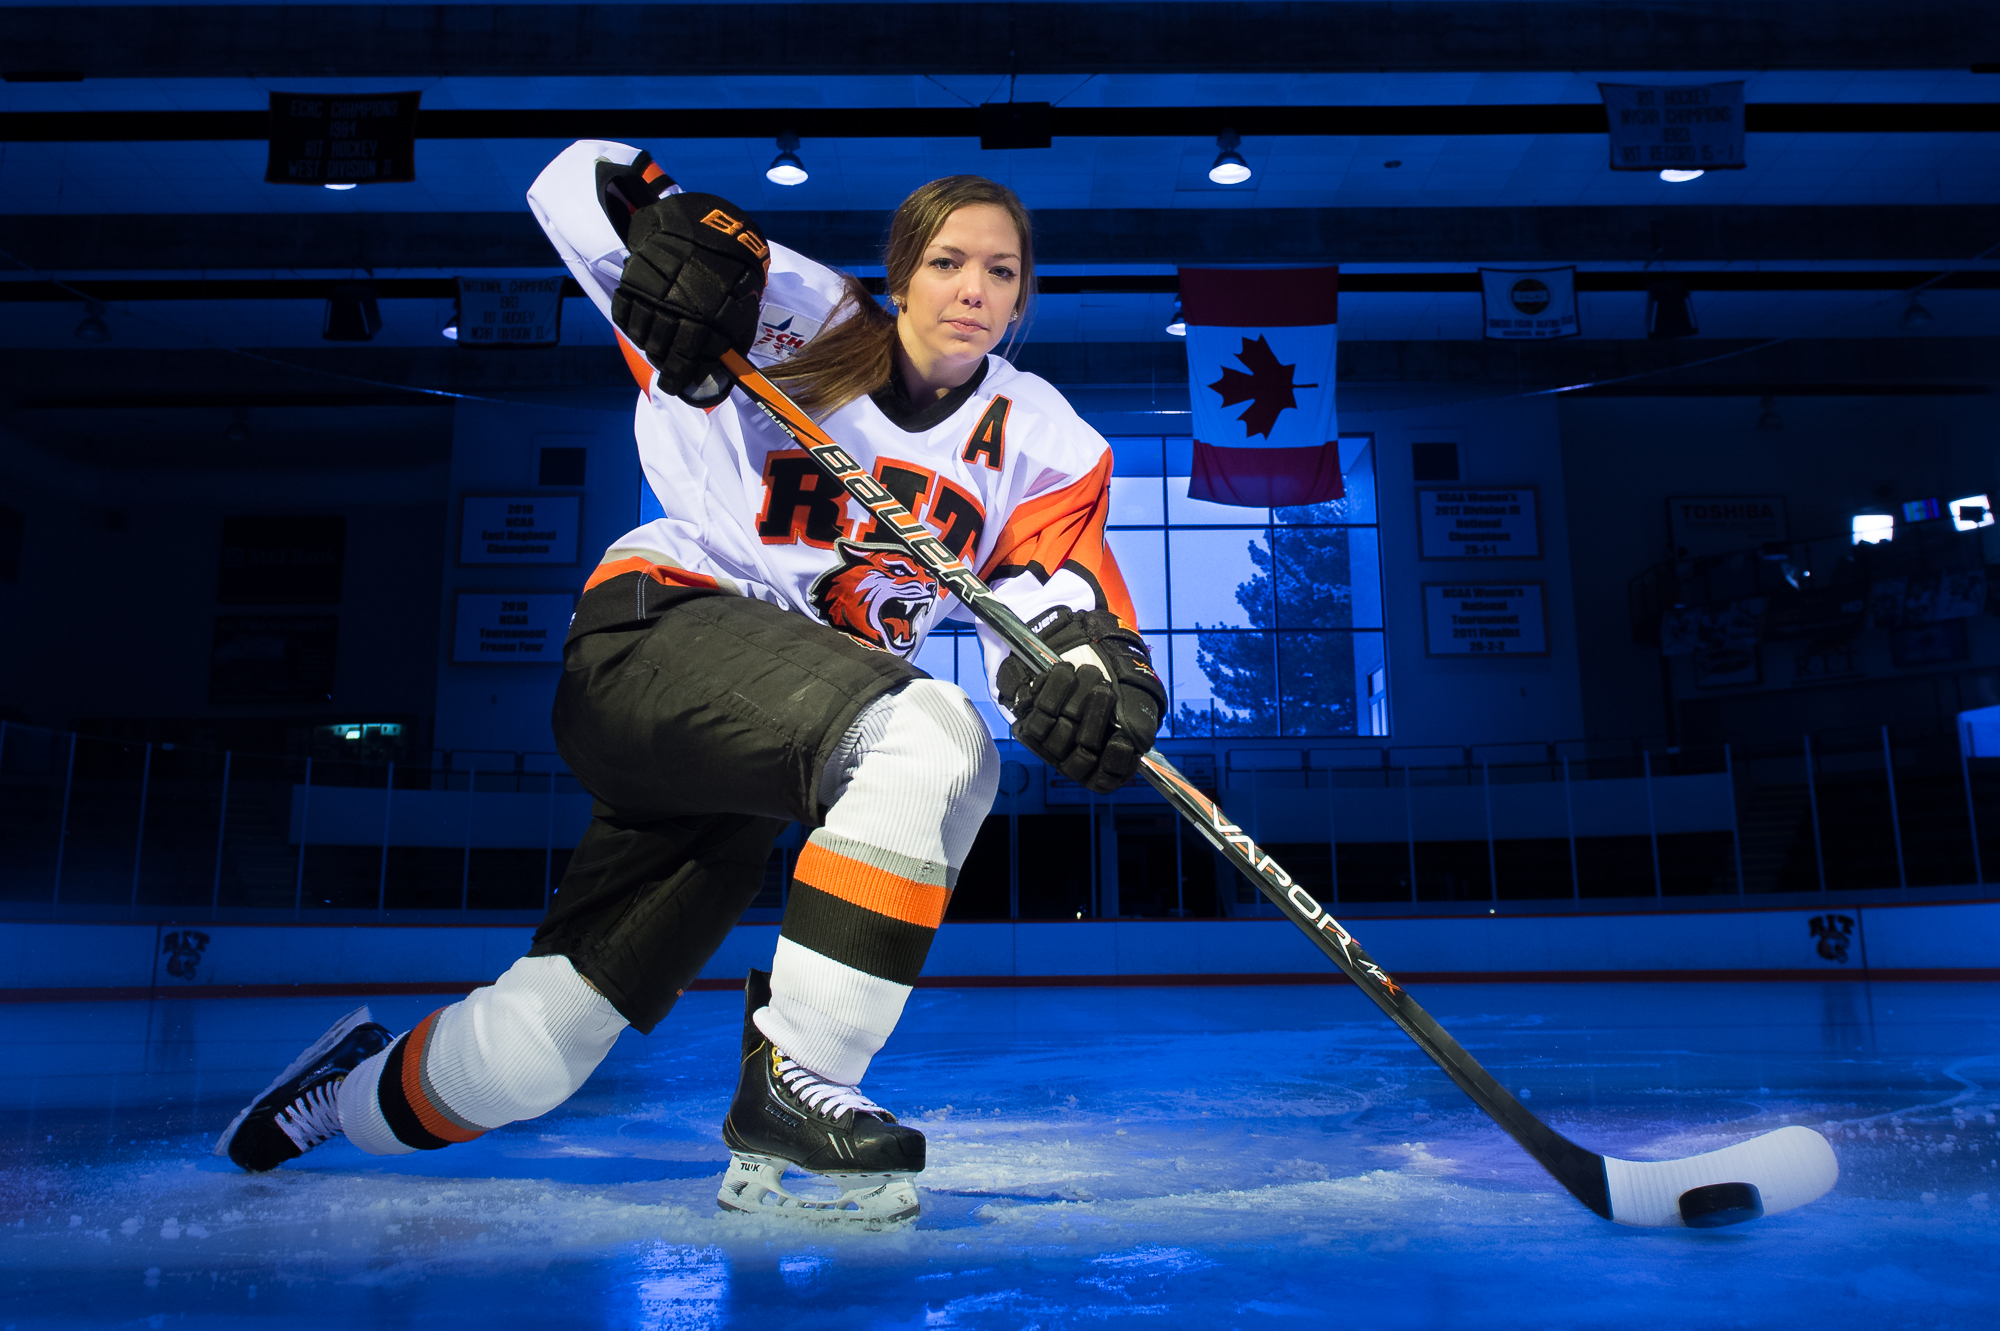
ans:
x=889 y=949
x=395 y=1105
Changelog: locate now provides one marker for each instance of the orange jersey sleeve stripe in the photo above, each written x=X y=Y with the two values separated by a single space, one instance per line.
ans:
x=870 y=888
x=636 y=362
x=1066 y=526
x=435 y=1122
x=664 y=574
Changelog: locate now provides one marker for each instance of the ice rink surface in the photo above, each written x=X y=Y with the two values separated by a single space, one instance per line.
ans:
x=1184 y=1158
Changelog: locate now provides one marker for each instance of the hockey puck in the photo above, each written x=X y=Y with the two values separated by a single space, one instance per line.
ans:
x=1720 y=1204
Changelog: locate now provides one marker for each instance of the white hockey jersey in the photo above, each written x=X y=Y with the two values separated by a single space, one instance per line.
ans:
x=1012 y=480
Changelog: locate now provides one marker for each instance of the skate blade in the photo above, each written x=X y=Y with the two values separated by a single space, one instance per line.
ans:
x=754 y=1185
x=319 y=1049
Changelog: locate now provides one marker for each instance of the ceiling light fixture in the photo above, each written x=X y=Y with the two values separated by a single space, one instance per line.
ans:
x=1675 y=176
x=1229 y=168
x=1177 y=325
x=92 y=327
x=1915 y=315
x=450 y=329
x=352 y=314
x=1669 y=311
x=338 y=184
x=786 y=168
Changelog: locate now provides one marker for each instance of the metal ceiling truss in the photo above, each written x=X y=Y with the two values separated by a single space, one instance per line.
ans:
x=1083 y=122
x=428 y=41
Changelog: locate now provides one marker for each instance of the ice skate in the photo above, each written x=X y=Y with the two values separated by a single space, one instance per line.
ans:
x=300 y=1109
x=785 y=1117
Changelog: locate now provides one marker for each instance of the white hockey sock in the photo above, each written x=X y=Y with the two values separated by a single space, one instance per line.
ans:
x=906 y=792
x=512 y=1050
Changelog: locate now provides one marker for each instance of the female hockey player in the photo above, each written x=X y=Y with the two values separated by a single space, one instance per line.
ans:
x=744 y=662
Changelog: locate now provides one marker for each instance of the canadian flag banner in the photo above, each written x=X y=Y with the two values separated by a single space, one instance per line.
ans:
x=1260 y=344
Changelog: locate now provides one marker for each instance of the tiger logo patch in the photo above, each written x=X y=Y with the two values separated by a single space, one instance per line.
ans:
x=877 y=595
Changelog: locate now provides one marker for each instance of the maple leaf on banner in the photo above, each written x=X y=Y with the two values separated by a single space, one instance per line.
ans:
x=1267 y=388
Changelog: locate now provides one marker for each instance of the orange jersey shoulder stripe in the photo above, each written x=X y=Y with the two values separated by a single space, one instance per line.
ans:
x=664 y=574
x=871 y=888
x=1066 y=526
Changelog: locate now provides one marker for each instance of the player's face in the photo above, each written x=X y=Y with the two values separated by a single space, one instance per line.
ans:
x=963 y=295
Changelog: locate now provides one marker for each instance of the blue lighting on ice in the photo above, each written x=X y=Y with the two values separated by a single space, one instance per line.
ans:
x=1196 y=1157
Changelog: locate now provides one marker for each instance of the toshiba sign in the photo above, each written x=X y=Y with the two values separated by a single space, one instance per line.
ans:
x=1716 y=524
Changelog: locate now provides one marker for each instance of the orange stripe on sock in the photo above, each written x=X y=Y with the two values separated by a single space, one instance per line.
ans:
x=871 y=888
x=435 y=1123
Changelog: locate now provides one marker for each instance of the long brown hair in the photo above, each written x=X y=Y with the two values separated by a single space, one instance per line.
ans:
x=857 y=352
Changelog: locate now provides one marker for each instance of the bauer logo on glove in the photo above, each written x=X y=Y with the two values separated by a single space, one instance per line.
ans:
x=1093 y=714
x=691 y=289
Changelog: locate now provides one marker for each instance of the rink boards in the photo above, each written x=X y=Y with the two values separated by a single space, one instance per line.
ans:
x=53 y=960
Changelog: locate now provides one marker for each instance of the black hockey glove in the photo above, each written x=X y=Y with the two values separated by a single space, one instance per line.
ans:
x=691 y=290
x=1095 y=713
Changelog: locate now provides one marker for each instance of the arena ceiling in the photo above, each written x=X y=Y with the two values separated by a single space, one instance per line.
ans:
x=1409 y=142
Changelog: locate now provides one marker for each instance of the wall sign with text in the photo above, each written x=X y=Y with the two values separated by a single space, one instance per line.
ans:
x=1464 y=522
x=1485 y=619
x=509 y=312
x=342 y=138
x=1719 y=524
x=510 y=628
x=520 y=529
x=1686 y=126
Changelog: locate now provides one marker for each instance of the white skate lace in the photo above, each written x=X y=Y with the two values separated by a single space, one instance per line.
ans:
x=819 y=1094
x=314 y=1117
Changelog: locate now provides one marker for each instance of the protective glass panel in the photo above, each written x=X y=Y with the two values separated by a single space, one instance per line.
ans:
x=938 y=657
x=1218 y=581
x=1316 y=683
x=1224 y=684
x=1314 y=580
x=972 y=668
x=1371 y=676
x=1142 y=558
x=1138 y=501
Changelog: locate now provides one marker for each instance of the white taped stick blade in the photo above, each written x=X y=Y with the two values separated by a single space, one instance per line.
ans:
x=1789 y=1168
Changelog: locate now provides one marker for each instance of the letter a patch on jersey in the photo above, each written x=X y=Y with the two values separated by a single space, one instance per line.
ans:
x=989 y=437
x=876 y=595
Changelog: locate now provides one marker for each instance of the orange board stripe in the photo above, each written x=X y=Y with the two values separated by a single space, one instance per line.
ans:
x=435 y=1123
x=870 y=888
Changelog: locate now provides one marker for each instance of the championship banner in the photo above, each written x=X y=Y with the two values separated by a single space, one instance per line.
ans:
x=509 y=312
x=1260 y=344
x=1680 y=127
x=1529 y=305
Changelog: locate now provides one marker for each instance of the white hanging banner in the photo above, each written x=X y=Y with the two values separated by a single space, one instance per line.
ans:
x=510 y=628
x=1686 y=127
x=1463 y=619
x=509 y=311
x=1529 y=304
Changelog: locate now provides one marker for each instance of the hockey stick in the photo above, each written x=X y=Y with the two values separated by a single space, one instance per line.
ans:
x=1767 y=1174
